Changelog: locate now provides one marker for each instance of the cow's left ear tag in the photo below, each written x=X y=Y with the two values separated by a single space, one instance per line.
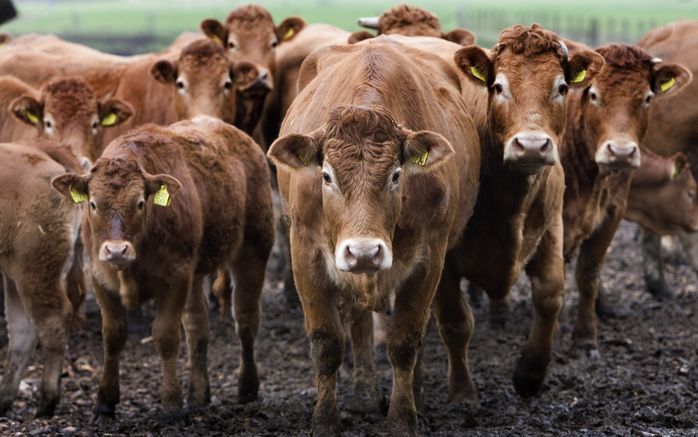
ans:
x=478 y=74
x=580 y=76
x=33 y=119
x=217 y=39
x=109 y=120
x=289 y=34
x=162 y=197
x=77 y=196
x=305 y=161
x=665 y=86
x=420 y=159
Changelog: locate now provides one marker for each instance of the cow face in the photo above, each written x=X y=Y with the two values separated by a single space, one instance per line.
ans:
x=204 y=81
x=363 y=161
x=249 y=35
x=68 y=112
x=528 y=75
x=119 y=194
x=616 y=105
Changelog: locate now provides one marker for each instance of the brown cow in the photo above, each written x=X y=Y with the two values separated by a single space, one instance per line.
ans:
x=605 y=126
x=249 y=35
x=64 y=110
x=38 y=231
x=142 y=247
x=517 y=222
x=375 y=195
x=410 y=21
x=673 y=127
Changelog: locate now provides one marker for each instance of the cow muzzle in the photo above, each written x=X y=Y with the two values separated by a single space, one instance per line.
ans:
x=530 y=151
x=616 y=154
x=119 y=254
x=363 y=255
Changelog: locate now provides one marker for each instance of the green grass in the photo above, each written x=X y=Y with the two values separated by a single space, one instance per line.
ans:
x=167 y=18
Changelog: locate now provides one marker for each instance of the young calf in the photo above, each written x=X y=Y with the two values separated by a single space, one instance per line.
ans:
x=377 y=168
x=518 y=95
x=38 y=232
x=165 y=207
x=605 y=126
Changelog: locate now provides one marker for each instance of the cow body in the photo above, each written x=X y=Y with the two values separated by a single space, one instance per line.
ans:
x=367 y=90
x=38 y=232
x=220 y=215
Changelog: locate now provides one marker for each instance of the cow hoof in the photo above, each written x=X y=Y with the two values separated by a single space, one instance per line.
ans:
x=103 y=415
x=328 y=427
x=248 y=389
x=5 y=406
x=402 y=428
x=47 y=406
x=467 y=398
x=659 y=289
x=174 y=416
x=528 y=377
x=585 y=348
x=366 y=398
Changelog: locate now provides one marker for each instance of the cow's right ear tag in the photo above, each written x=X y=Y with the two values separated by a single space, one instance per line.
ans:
x=305 y=161
x=33 y=119
x=162 y=197
x=478 y=74
x=77 y=196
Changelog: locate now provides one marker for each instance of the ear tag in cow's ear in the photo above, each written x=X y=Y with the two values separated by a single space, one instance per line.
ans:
x=216 y=39
x=665 y=86
x=77 y=196
x=33 y=119
x=289 y=34
x=420 y=159
x=109 y=120
x=580 y=76
x=477 y=73
x=162 y=197
x=305 y=161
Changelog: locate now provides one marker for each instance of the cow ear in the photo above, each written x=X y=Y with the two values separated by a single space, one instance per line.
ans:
x=28 y=110
x=669 y=78
x=215 y=30
x=73 y=187
x=425 y=150
x=680 y=163
x=113 y=112
x=289 y=28
x=460 y=36
x=582 y=67
x=359 y=36
x=164 y=71
x=161 y=187
x=295 y=151
x=476 y=65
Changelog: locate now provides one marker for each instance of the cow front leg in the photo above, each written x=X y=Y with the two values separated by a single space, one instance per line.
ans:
x=114 y=327
x=366 y=395
x=547 y=273
x=653 y=265
x=196 y=329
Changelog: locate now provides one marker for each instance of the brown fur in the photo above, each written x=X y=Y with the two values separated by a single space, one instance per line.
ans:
x=38 y=230
x=221 y=214
x=352 y=110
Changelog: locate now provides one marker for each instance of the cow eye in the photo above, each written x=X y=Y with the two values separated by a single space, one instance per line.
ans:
x=48 y=124
x=592 y=96
x=326 y=177
x=228 y=85
x=93 y=205
x=396 y=176
x=274 y=44
x=562 y=89
x=95 y=125
x=231 y=45
x=141 y=204
x=648 y=99
x=498 y=88
x=180 y=84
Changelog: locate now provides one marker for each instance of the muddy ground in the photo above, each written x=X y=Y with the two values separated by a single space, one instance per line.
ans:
x=645 y=383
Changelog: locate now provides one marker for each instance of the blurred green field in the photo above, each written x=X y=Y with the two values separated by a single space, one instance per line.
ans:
x=164 y=19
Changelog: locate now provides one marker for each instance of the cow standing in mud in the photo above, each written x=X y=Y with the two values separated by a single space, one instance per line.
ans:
x=164 y=208
x=377 y=167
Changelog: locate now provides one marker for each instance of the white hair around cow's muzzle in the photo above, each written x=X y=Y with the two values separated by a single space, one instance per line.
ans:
x=363 y=255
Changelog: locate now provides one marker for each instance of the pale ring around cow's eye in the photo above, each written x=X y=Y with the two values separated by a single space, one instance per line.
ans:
x=326 y=177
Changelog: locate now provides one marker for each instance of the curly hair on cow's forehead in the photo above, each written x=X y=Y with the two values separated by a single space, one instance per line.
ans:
x=248 y=15
x=202 y=50
x=405 y=15
x=529 y=41
x=354 y=123
x=625 y=56
x=68 y=85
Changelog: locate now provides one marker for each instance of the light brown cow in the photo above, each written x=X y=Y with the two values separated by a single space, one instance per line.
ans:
x=142 y=247
x=249 y=35
x=605 y=126
x=517 y=94
x=377 y=167
x=64 y=110
x=673 y=127
x=38 y=231
x=410 y=21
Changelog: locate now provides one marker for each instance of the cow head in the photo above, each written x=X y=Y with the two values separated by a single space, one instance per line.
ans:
x=667 y=204
x=528 y=75
x=364 y=162
x=410 y=21
x=204 y=81
x=68 y=112
x=249 y=35
x=616 y=105
x=119 y=194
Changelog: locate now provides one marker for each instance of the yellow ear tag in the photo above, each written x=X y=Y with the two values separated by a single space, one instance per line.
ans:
x=477 y=73
x=289 y=34
x=162 y=197
x=216 y=39
x=668 y=84
x=579 y=76
x=420 y=159
x=109 y=120
x=76 y=196
x=305 y=161
x=33 y=119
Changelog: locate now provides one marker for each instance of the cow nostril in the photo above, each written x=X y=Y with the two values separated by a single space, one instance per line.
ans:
x=546 y=145
x=264 y=75
x=633 y=150
x=517 y=145
x=609 y=146
x=123 y=251
x=107 y=249
x=378 y=257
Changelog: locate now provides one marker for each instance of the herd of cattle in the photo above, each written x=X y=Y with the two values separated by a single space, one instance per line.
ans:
x=404 y=163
